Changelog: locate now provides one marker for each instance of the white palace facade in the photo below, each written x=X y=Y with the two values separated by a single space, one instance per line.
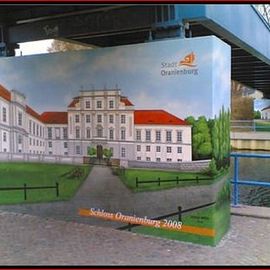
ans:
x=96 y=118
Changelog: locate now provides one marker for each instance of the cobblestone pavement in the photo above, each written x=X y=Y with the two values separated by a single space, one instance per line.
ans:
x=31 y=240
x=106 y=191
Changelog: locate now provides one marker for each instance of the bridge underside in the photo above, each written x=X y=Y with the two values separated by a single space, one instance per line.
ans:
x=111 y=25
x=246 y=68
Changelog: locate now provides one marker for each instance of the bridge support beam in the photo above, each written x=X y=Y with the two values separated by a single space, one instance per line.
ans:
x=6 y=48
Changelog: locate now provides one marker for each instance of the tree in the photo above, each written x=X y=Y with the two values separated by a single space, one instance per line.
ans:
x=257 y=115
x=205 y=150
x=220 y=138
x=212 y=169
x=190 y=120
x=214 y=139
x=107 y=153
x=201 y=137
x=197 y=140
x=211 y=138
x=63 y=46
x=91 y=151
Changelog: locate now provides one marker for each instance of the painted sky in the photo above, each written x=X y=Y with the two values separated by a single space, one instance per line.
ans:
x=50 y=81
x=221 y=76
x=260 y=104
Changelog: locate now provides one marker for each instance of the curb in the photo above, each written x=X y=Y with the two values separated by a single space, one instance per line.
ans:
x=251 y=211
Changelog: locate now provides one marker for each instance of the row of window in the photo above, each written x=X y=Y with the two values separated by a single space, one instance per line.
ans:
x=100 y=118
x=148 y=135
x=64 y=143
x=50 y=153
x=35 y=129
x=4 y=116
x=158 y=159
x=20 y=140
x=158 y=149
x=32 y=126
x=36 y=152
x=35 y=142
x=99 y=133
x=99 y=104
x=57 y=133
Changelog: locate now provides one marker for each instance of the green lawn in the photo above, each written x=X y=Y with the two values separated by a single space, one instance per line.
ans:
x=215 y=217
x=129 y=179
x=69 y=177
x=210 y=217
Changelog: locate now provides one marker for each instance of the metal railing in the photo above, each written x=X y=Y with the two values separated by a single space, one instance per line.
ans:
x=176 y=180
x=236 y=182
x=179 y=213
x=25 y=188
x=250 y=125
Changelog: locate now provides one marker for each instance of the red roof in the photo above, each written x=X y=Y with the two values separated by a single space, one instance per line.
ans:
x=54 y=117
x=156 y=117
x=33 y=113
x=126 y=101
x=4 y=93
x=73 y=102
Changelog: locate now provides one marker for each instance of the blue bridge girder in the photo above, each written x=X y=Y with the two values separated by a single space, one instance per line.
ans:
x=108 y=25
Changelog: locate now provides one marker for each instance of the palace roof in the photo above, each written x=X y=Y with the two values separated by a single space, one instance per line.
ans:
x=73 y=102
x=123 y=99
x=156 y=117
x=54 y=117
x=4 y=93
x=126 y=101
x=33 y=113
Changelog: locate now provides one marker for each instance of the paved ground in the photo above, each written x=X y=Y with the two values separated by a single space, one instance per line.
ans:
x=54 y=234
x=29 y=240
x=105 y=191
x=251 y=211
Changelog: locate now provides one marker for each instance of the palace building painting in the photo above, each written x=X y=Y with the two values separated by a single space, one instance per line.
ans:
x=164 y=131
x=96 y=118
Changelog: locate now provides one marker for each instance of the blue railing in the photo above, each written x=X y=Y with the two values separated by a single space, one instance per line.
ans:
x=236 y=182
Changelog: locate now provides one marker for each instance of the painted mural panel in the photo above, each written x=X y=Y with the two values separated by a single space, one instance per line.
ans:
x=137 y=134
